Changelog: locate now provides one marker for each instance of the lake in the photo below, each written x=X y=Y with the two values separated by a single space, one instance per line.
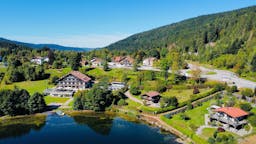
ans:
x=84 y=130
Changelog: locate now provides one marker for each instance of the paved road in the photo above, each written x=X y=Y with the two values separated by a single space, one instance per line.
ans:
x=221 y=75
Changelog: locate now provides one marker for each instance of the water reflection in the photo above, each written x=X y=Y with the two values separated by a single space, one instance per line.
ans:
x=15 y=128
x=101 y=125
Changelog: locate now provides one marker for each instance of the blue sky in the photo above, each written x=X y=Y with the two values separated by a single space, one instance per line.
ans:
x=97 y=23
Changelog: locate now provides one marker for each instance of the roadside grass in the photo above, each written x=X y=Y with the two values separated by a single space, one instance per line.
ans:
x=30 y=86
x=188 y=127
x=52 y=99
x=211 y=73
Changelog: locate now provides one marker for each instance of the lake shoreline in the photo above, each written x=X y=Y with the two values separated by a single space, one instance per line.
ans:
x=127 y=115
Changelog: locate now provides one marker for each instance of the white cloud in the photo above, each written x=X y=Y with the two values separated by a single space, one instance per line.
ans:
x=90 y=41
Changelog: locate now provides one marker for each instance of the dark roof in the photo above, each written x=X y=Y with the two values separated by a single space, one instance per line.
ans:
x=152 y=94
x=232 y=111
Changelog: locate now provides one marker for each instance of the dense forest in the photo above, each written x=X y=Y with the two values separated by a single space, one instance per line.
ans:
x=226 y=40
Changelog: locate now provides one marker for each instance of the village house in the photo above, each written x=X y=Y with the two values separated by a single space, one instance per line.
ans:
x=39 y=60
x=122 y=61
x=151 y=97
x=69 y=84
x=231 y=116
x=127 y=61
x=118 y=59
x=96 y=62
x=149 y=61
x=116 y=86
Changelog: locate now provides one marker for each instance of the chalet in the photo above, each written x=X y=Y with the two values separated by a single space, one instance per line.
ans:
x=39 y=60
x=96 y=62
x=75 y=80
x=149 y=61
x=127 y=61
x=118 y=59
x=232 y=116
x=151 y=96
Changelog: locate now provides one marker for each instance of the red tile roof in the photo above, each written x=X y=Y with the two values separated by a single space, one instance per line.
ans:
x=232 y=111
x=118 y=58
x=152 y=93
x=81 y=76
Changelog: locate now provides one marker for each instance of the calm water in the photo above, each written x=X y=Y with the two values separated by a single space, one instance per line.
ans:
x=85 y=130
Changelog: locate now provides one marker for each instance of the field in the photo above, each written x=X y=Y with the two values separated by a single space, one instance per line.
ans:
x=182 y=95
x=36 y=86
x=51 y=99
x=30 y=86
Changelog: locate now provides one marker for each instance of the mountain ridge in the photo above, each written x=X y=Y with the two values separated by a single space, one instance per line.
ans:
x=51 y=46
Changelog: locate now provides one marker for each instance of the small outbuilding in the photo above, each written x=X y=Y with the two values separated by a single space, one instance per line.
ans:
x=151 y=96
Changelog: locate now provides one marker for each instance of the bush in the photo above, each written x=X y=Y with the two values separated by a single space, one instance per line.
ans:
x=246 y=107
x=252 y=120
x=122 y=102
x=54 y=80
x=161 y=87
x=247 y=92
x=135 y=90
x=166 y=102
x=184 y=117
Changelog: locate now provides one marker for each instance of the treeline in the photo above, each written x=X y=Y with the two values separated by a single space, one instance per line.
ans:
x=18 y=71
x=19 y=102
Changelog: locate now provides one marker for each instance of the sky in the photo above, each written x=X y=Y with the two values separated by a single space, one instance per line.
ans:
x=98 y=23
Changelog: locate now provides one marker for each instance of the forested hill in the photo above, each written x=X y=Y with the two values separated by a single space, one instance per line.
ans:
x=6 y=42
x=226 y=32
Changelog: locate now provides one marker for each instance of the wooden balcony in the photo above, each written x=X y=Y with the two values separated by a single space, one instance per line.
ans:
x=222 y=119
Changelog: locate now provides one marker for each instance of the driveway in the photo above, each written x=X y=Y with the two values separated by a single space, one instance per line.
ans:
x=130 y=96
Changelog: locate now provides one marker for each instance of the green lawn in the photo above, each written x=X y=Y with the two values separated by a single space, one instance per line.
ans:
x=113 y=74
x=189 y=127
x=51 y=99
x=182 y=95
x=208 y=132
x=30 y=86
x=58 y=72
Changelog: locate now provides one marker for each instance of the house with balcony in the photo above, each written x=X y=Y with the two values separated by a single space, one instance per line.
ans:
x=69 y=84
x=231 y=116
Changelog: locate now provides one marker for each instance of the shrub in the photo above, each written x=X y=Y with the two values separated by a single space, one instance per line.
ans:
x=246 y=106
x=122 y=102
x=166 y=102
x=184 y=117
x=247 y=92
x=135 y=90
x=54 y=80
x=252 y=120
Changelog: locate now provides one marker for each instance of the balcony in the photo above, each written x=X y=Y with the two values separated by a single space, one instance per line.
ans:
x=223 y=119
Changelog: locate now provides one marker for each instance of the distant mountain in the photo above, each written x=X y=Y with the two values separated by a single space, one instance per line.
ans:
x=227 y=32
x=51 y=46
